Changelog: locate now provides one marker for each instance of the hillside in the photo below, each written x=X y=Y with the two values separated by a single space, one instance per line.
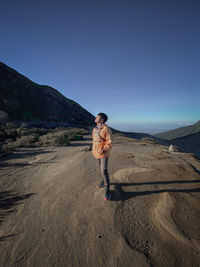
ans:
x=179 y=132
x=51 y=213
x=43 y=106
x=24 y=100
x=189 y=143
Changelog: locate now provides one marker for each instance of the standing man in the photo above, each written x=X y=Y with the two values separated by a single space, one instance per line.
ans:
x=102 y=144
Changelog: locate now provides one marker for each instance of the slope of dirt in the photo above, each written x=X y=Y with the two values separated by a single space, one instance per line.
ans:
x=51 y=213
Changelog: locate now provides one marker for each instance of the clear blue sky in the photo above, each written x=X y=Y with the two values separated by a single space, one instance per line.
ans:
x=137 y=61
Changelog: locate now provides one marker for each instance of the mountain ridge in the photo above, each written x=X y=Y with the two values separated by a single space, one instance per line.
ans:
x=180 y=132
x=37 y=102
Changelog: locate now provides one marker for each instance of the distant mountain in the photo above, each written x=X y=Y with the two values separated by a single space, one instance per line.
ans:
x=143 y=136
x=180 y=132
x=24 y=100
x=188 y=143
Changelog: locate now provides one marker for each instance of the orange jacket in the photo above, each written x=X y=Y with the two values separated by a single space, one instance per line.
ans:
x=100 y=147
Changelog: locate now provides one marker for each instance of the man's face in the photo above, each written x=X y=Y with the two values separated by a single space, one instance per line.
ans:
x=98 y=119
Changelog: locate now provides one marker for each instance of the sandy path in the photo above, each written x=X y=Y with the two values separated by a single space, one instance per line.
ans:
x=53 y=215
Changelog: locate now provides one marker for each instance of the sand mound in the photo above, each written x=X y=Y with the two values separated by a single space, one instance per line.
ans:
x=162 y=217
x=128 y=172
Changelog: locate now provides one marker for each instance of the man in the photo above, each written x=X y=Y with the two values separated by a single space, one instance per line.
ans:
x=102 y=144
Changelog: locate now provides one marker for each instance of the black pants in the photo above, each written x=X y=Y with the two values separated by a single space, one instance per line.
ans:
x=103 y=165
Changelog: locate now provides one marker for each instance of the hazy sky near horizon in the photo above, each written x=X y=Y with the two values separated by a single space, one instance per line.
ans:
x=137 y=61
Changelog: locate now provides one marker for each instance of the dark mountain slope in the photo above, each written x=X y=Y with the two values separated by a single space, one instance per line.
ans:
x=189 y=143
x=180 y=132
x=24 y=100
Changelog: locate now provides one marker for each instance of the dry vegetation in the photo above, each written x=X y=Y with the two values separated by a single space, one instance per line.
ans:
x=13 y=137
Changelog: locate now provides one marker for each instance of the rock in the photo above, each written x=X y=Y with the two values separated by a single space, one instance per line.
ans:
x=171 y=148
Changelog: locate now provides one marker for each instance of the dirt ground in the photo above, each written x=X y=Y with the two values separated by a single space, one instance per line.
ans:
x=51 y=213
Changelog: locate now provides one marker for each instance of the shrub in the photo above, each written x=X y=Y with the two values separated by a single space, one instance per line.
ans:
x=39 y=131
x=26 y=141
x=78 y=131
x=9 y=140
x=61 y=139
x=54 y=138
x=22 y=131
x=148 y=140
x=10 y=125
x=9 y=147
x=13 y=137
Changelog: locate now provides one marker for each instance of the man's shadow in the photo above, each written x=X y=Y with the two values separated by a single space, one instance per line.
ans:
x=118 y=193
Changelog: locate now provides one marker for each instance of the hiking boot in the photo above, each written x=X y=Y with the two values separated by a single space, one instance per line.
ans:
x=107 y=193
x=101 y=185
